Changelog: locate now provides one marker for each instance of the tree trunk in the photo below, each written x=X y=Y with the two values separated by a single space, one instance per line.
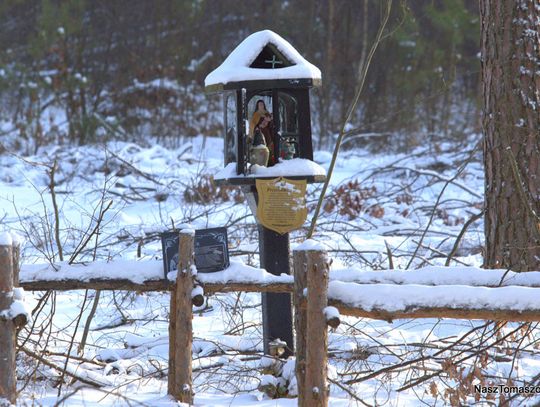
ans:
x=511 y=122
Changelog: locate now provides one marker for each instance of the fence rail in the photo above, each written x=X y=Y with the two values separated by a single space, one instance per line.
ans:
x=343 y=307
x=311 y=272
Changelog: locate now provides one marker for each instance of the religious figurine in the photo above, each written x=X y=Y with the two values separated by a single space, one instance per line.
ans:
x=266 y=127
x=260 y=111
x=288 y=150
x=258 y=153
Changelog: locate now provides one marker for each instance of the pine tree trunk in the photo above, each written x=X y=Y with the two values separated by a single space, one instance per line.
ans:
x=511 y=122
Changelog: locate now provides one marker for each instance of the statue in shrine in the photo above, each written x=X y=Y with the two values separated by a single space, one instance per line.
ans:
x=266 y=127
x=259 y=152
x=288 y=149
x=260 y=111
x=262 y=134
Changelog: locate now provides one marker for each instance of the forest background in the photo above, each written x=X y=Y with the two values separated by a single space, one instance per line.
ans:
x=85 y=71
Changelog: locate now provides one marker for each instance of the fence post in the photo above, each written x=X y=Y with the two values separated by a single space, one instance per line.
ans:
x=316 y=369
x=180 y=328
x=300 y=319
x=8 y=378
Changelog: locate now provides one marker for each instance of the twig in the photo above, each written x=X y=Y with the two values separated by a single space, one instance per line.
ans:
x=52 y=172
x=448 y=182
x=389 y=254
x=82 y=245
x=350 y=113
x=135 y=169
x=64 y=371
x=349 y=392
x=473 y=219
x=88 y=322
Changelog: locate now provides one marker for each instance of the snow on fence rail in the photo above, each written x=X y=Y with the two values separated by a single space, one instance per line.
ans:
x=440 y=292
x=454 y=292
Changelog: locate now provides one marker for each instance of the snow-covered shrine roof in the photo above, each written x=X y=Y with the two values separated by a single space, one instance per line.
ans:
x=238 y=66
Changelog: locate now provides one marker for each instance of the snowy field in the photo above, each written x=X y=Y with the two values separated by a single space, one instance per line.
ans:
x=113 y=200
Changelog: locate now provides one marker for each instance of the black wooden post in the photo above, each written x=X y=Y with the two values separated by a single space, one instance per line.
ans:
x=274 y=253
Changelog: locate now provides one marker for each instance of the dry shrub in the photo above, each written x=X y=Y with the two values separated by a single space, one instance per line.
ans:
x=204 y=191
x=350 y=200
x=405 y=198
x=448 y=219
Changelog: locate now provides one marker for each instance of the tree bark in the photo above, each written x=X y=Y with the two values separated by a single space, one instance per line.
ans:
x=511 y=123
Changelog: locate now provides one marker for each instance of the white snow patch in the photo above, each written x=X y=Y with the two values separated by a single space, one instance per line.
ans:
x=268 y=380
x=6 y=239
x=193 y=269
x=330 y=312
x=198 y=290
x=19 y=307
x=438 y=275
x=310 y=245
x=239 y=272
x=18 y=293
x=135 y=271
x=17 y=240
x=391 y=297
x=294 y=167
x=172 y=275
x=188 y=231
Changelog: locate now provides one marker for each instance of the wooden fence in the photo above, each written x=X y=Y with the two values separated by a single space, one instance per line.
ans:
x=310 y=298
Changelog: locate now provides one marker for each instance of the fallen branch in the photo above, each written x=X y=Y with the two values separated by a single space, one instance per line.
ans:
x=60 y=369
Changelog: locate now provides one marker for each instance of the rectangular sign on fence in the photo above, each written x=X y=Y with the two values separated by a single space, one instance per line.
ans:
x=211 y=250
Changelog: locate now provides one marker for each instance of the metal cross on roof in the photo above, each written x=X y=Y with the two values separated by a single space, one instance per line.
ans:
x=274 y=61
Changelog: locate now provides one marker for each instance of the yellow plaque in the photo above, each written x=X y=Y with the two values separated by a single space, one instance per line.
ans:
x=282 y=204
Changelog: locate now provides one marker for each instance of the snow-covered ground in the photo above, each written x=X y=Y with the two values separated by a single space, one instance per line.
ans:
x=113 y=201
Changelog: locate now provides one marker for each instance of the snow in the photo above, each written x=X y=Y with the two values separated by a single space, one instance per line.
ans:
x=284 y=168
x=131 y=329
x=310 y=245
x=18 y=293
x=330 y=313
x=198 y=290
x=236 y=66
x=389 y=297
x=188 y=231
x=11 y=238
x=18 y=240
x=135 y=271
x=19 y=307
x=238 y=272
x=5 y=239
x=141 y=271
x=5 y=402
x=435 y=275
x=268 y=380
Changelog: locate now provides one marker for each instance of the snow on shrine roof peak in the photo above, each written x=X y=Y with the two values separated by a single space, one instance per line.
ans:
x=237 y=66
